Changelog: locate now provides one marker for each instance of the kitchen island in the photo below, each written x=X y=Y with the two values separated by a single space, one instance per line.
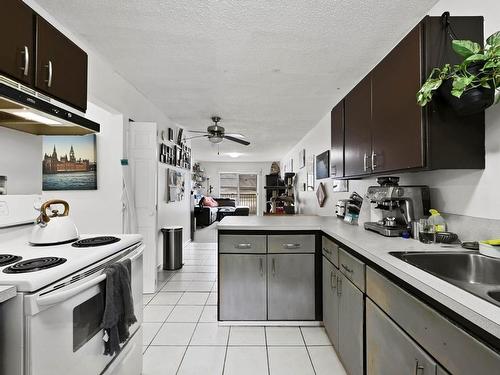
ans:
x=357 y=264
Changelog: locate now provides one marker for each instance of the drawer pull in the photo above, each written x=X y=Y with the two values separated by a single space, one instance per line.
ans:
x=243 y=246
x=291 y=246
x=327 y=250
x=347 y=269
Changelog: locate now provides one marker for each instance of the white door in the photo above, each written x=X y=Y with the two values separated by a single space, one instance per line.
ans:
x=143 y=151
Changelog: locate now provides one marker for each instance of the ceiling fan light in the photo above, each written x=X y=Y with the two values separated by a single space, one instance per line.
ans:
x=215 y=138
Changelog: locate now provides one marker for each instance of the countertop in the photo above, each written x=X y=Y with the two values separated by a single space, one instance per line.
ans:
x=7 y=292
x=376 y=248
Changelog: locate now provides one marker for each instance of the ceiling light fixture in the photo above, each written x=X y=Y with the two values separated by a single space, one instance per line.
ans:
x=234 y=154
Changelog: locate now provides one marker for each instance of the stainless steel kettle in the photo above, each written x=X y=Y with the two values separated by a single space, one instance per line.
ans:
x=54 y=228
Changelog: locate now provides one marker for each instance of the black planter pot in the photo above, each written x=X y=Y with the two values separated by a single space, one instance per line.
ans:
x=472 y=101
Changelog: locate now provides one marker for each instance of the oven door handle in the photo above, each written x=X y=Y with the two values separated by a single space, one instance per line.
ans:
x=139 y=252
x=58 y=297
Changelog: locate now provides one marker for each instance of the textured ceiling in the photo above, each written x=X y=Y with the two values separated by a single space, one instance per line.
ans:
x=270 y=69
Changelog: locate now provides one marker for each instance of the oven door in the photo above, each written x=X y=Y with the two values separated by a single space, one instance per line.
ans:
x=63 y=325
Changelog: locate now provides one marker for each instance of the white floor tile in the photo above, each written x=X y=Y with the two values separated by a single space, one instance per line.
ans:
x=289 y=361
x=211 y=269
x=200 y=286
x=209 y=314
x=284 y=336
x=194 y=298
x=203 y=360
x=254 y=336
x=185 y=314
x=176 y=286
x=194 y=276
x=166 y=298
x=162 y=360
x=212 y=298
x=157 y=313
x=149 y=331
x=246 y=361
x=315 y=336
x=174 y=334
x=147 y=297
x=210 y=334
x=193 y=262
x=326 y=361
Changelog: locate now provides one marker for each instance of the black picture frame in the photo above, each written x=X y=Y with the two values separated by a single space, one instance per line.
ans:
x=179 y=136
x=323 y=165
x=170 y=134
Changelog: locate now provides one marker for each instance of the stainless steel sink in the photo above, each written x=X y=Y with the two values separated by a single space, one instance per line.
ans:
x=476 y=273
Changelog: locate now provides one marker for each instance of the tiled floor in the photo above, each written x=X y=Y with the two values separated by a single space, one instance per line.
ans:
x=182 y=336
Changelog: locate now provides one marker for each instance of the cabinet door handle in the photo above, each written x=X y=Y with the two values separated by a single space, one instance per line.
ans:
x=243 y=246
x=261 y=264
x=26 y=67
x=273 y=267
x=365 y=163
x=339 y=285
x=333 y=280
x=419 y=369
x=347 y=269
x=291 y=246
x=374 y=164
x=50 y=70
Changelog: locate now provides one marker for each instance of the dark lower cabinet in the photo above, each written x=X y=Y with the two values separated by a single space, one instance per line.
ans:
x=61 y=66
x=17 y=58
x=384 y=128
x=358 y=138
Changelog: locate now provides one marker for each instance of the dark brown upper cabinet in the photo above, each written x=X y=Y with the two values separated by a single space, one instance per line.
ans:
x=384 y=128
x=397 y=131
x=358 y=137
x=337 y=134
x=61 y=66
x=17 y=58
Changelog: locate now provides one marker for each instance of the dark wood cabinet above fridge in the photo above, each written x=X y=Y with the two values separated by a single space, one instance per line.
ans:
x=384 y=128
x=38 y=56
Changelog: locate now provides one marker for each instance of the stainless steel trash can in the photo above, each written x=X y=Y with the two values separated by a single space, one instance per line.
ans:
x=172 y=248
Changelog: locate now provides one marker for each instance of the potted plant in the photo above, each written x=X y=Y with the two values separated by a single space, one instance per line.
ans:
x=468 y=87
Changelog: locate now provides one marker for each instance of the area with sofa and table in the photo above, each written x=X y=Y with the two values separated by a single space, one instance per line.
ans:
x=210 y=210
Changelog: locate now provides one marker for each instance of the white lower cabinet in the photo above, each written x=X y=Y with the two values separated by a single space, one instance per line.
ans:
x=389 y=350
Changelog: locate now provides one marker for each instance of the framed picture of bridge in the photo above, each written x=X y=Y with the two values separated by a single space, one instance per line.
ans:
x=69 y=163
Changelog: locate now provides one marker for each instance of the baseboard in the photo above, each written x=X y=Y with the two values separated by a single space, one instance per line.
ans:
x=269 y=323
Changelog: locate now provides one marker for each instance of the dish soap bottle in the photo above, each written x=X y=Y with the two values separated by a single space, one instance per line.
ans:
x=437 y=221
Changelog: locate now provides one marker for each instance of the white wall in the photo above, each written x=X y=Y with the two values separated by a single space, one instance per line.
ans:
x=212 y=170
x=463 y=192
x=21 y=161
x=99 y=211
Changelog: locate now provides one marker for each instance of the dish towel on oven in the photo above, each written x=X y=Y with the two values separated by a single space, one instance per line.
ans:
x=119 y=307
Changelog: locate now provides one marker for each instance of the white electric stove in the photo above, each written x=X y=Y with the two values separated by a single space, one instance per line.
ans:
x=52 y=326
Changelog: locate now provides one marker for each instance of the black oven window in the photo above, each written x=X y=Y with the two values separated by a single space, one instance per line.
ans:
x=87 y=318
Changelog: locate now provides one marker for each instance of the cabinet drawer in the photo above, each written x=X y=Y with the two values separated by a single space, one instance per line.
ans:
x=250 y=244
x=295 y=243
x=455 y=349
x=330 y=250
x=352 y=268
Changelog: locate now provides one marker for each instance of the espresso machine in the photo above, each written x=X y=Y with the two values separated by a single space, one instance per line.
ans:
x=394 y=208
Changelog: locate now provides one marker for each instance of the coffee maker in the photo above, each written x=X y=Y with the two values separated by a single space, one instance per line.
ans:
x=393 y=208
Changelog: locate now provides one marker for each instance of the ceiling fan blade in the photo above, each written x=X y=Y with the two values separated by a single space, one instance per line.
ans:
x=237 y=140
x=196 y=136
x=197 y=131
x=236 y=135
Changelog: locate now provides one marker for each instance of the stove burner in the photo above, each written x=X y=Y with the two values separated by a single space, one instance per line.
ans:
x=6 y=259
x=95 y=241
x=36 y=264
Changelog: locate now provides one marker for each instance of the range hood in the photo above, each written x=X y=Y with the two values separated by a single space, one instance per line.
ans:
x=26 y=110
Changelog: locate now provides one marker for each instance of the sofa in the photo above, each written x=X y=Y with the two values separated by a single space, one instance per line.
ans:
x=206 y=216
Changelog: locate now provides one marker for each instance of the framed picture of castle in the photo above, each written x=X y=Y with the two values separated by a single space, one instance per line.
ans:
x=69 y=163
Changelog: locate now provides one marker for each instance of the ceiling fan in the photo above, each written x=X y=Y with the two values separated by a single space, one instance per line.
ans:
x=216 y=134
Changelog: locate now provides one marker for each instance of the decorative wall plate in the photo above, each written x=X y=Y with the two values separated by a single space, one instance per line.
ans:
x=321 y=194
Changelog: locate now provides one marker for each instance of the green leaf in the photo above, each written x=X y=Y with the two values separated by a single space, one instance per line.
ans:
x=476 y=57
x=457 y=93
x=494 y=39
x=465 y=48
x=460 y=83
